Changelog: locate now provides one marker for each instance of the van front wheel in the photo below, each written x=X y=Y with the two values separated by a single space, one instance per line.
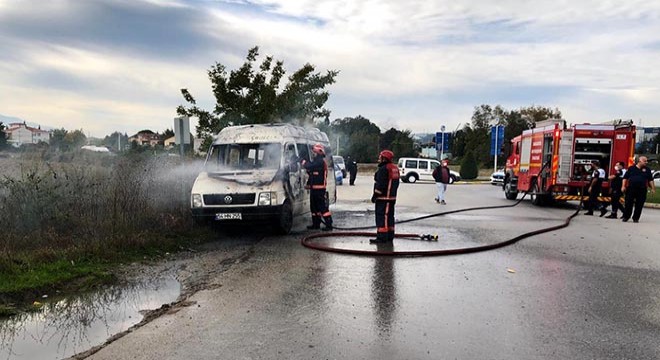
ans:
x=285 y=219
x=411 y=178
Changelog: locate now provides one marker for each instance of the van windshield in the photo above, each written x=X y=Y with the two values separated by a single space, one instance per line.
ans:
x=244 y=157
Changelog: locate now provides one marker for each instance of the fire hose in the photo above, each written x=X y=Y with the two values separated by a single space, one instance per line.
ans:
x=306 y=241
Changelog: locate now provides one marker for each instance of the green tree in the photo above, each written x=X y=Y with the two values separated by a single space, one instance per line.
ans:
x=3 y=136
x=251 y=94
x=400 y=142
x=469 y=169
x=63 y=140
x=115 y=139
x=358 y=136
x=533 y=114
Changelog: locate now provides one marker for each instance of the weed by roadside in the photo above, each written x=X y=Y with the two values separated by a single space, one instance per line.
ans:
x=65 y=224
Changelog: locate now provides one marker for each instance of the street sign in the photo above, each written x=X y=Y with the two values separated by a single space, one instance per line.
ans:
x=181 y=130
x=442 y=141
x=496 y=139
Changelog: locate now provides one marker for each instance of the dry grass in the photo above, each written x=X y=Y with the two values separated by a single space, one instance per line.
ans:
x=89 y=203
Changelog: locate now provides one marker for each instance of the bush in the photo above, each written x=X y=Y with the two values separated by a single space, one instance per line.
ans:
x=469 y=169
x=92 y=203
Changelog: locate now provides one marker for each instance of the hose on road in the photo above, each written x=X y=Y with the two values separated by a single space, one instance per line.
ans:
x=385 y=250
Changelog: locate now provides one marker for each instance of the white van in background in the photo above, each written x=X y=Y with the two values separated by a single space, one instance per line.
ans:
x=413 y=169
x=253 y=173
x=339 y=160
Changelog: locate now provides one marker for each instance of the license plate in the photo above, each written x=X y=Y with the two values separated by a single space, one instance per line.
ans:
x=228 y=216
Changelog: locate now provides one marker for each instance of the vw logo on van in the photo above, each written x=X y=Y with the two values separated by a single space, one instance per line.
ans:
x=228 y=199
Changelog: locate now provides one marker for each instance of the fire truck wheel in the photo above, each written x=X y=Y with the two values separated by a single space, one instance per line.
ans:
x=536 y=199
x=508 y=193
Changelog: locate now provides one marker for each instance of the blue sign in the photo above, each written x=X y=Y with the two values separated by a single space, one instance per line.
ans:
x=442 y=141
x=496 y=139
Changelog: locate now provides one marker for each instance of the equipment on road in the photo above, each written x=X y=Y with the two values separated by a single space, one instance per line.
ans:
x=551 y=161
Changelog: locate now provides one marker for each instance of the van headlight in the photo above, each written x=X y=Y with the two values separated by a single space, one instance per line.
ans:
x=267 y=198
x=196 y=200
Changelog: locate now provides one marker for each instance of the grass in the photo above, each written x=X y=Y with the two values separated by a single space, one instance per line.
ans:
x=653 y=198
x=67 y=223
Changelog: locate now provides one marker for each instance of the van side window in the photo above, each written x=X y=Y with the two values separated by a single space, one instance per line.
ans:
x=434 y=164
x=424 y=165
x=303 y=151
x=411 y=164
x=290 y=153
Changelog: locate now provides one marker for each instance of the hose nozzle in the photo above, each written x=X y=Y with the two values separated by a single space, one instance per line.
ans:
x=428 y=237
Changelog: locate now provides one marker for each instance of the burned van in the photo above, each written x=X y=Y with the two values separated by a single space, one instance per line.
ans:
x=253 y=174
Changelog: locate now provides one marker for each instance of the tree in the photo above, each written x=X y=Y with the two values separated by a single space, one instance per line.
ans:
x=469 y=168
x=168 y=133
x=249 y=95
x=400 y=142
x=115 y=139
x=534 y=114
x=358 y=136
x=3 y=136
x=63 y=140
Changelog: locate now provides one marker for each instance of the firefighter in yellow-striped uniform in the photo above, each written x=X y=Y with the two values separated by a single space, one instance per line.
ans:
x=317 y=170
x=386 y=184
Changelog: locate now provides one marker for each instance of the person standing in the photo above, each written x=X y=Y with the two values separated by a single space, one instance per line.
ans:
x=616 y=182
x=351 y=167
x=636 y=181
x=386 y=184
x=317 y=170
x=441 y=175
x=595 y=187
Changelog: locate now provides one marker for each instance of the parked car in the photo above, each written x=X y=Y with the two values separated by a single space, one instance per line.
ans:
x=656 y=179
x=497 y=178
x=413 y=169
x=339 y=176
x=339 y=160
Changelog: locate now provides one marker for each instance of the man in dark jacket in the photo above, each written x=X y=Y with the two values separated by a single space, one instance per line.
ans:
x=351 y=167
x=636 y=182
x=317 y=170
x=441 y=175
x=386 y=184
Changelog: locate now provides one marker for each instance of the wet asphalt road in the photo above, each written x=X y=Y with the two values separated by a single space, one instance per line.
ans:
x=590 y=291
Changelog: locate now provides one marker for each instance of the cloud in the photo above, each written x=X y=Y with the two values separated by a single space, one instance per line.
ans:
x=120 y=64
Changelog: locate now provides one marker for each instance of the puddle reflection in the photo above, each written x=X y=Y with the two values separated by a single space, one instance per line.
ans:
x=72 y=325
x=383 y=290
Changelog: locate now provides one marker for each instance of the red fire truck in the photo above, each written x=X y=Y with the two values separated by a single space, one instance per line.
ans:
x=549 y=162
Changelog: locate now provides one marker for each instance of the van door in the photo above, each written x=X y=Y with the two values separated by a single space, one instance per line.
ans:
x=423 y=169
x=293 y=175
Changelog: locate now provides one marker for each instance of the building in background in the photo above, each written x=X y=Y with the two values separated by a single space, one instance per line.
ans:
x=20 y=133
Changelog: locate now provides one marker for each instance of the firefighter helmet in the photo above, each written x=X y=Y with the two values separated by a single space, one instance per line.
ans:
x=387 y=155
x=318 y=149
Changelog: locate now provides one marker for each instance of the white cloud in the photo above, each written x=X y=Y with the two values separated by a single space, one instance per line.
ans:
x=413 y=64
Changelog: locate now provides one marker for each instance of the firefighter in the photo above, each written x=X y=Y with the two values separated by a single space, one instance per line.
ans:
x=636 y=182
x=595 y=186
x=386 y=183
x=317 y=170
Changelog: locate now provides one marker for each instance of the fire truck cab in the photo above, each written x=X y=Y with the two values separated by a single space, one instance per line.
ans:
x=551 y=161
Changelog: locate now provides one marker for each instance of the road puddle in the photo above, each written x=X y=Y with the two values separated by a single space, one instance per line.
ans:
x=62 y=328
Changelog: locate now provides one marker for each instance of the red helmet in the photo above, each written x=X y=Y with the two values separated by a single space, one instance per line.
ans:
x=387 y=154
x=318 y=149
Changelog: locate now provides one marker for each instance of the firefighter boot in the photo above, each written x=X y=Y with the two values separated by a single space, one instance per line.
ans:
x=390 y=236
x=316 y=223
x=327 y=220
x=380 y=239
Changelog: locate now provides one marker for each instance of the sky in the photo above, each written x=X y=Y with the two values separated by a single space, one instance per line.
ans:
x=118 y=65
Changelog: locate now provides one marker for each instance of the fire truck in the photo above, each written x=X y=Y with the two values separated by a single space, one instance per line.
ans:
x=550 y=162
